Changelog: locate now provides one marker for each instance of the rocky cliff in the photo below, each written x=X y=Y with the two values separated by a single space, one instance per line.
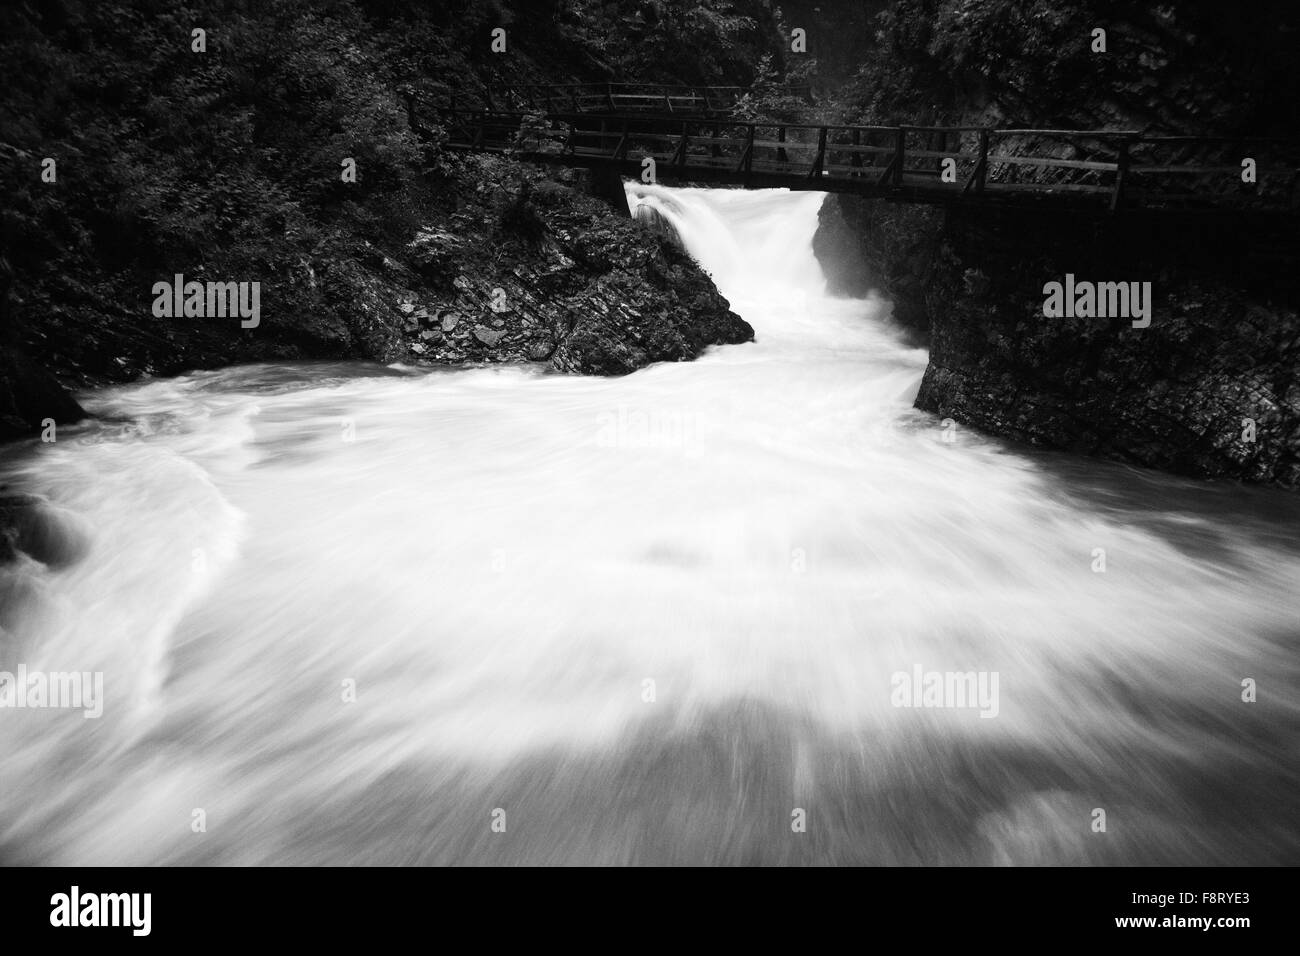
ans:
x=1210 y=387
x=506 y=265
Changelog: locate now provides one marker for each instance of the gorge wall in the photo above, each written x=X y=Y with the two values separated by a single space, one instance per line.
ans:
x=1210 y=388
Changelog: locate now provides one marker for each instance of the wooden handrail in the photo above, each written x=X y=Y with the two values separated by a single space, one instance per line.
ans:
x=1131 y=134
x=749 y=153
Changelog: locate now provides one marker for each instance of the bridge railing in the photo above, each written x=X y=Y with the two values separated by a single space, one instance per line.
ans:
x=1137 y=170
x=1164 y=166
x=1112 y=169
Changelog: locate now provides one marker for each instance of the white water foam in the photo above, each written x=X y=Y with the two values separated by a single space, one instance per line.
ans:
x=500 y=560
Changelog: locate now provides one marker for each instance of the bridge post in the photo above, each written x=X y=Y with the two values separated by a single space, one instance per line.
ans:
x=780 y=151
x=1121 y=173
x=747 y=162
x=607 y=184
x=620 y=151
x=900 y=152
x=982 y=164
x=856 y=160
x=820 y=162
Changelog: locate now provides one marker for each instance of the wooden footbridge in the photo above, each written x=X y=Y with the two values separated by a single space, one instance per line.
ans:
x=694 y=135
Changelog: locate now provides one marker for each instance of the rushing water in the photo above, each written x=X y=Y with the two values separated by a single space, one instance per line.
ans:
x=646 y=617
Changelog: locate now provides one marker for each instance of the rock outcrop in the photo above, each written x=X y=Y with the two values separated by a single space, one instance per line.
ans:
x=559 y=280
x=30 y=397
x=506 y=266
x=1211 y=388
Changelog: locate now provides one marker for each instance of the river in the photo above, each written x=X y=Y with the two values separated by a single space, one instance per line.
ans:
x=349 y=614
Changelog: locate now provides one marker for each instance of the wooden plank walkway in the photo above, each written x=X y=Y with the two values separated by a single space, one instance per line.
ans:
x=1096 y=170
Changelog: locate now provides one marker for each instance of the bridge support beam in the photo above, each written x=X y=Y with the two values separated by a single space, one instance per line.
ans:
x=607 y=184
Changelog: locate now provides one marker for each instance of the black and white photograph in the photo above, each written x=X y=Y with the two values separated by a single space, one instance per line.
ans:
x=650 y=433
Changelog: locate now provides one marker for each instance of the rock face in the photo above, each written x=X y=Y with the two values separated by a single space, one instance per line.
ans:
x=541 y=272
x=31 y=526
x=1211 y=388
x=887 y=247
x=840 y=247
x=507 y=266
x=30 y=397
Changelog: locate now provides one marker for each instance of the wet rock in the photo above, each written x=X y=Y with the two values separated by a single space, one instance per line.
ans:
x=1200 y=391
x=30 y=525
x=336 y=295
x=487 y=336
x=432 y=253
x=650 y=218
x=29 y=397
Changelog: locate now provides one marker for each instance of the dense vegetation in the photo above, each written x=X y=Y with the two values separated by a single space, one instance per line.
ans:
x=226 y=162
x=167 y=155
x=1191 y=67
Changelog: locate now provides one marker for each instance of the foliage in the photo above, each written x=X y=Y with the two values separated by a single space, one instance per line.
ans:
x=168 y=156
x=672 y=41
x=1176 y=68
x=772 y=96
x=518 y=217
